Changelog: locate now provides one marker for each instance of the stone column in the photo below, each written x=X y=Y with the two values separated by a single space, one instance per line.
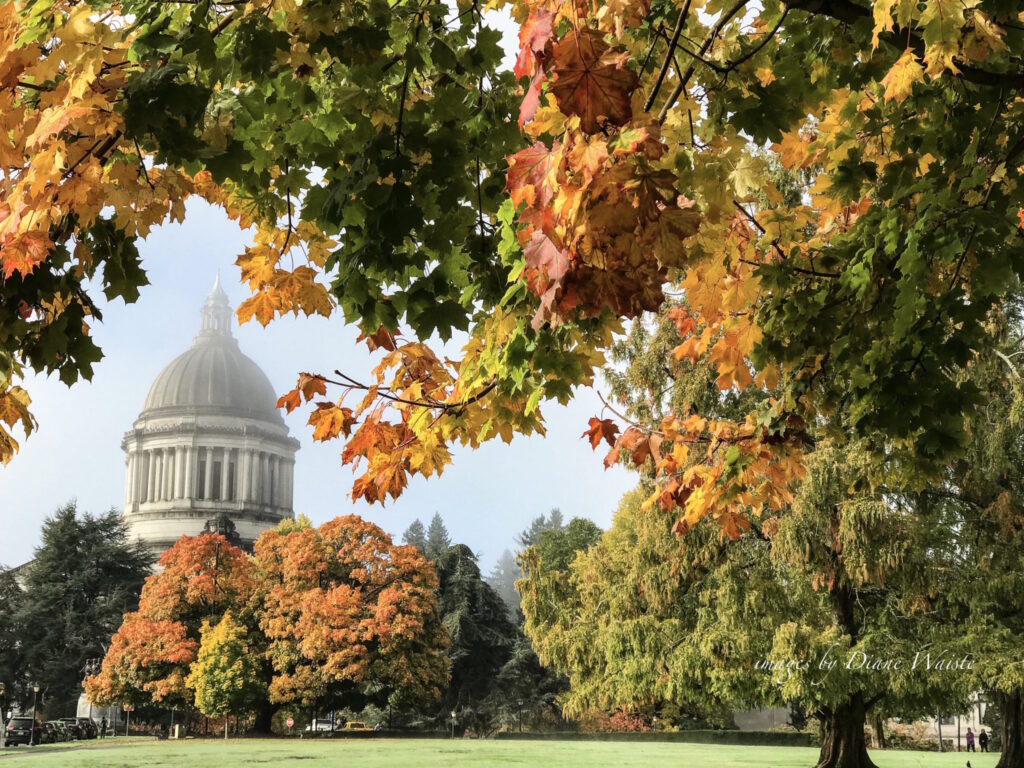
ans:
x=289 y=478
x=150 y=475
x=208 y=459
x=168 y=473
x=272 y=479
x=267 y=480
x=190 y=460
x=225 y=463
x=242 y=483
x=129 y=482
x=140 y=475
x=254 y=476
x=176 y=485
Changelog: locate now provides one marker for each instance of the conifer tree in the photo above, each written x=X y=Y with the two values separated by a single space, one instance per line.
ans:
x=415 y=535
x=437 y=541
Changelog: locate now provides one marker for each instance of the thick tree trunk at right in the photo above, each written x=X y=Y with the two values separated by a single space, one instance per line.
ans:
x=1012 y=707
x=843 y=742
x=842 y=737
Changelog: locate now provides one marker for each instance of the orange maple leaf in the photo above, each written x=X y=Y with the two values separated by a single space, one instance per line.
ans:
x=24 y=253
x=592 y=80
x=601 y=429
x=329 y=421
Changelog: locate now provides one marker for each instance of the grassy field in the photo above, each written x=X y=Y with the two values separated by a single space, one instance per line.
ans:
x=446 y=754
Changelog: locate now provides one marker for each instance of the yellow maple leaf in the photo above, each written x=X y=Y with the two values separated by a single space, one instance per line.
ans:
x=765 y=76
x=883 y=19
x=428 y=458
x=899 y=82
x=262 y=306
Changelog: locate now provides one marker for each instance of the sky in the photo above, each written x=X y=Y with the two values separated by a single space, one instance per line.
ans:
x=485 y=497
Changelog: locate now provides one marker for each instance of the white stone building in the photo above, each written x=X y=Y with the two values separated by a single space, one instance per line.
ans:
x=210 y=450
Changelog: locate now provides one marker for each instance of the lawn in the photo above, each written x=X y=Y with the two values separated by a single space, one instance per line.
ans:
x=399 y=753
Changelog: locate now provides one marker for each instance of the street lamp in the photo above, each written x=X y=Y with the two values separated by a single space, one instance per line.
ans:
x=453 y=723
x=32 y=733
x=520 y=703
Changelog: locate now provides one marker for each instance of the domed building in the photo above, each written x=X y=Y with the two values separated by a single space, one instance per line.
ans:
x=210 y=450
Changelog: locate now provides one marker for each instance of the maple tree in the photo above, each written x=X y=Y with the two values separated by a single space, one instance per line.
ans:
x=649 y=129
x=151 y=654
x=350 y=618
x=226 y=676
x=331 y=615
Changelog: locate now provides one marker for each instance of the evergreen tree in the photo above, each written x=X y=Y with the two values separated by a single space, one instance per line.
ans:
x=503 y=580
x=983 y=503
x=438 y=541
x=496 y=678
x=550 y=522
x=482 y=637
x=415 y=535
x=85 y=576
x=11 y=674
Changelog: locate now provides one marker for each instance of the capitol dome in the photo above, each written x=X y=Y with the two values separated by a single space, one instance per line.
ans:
x=214 y=376
x=209 y=451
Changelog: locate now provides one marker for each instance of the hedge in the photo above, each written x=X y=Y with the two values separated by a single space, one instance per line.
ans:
x=747 y=738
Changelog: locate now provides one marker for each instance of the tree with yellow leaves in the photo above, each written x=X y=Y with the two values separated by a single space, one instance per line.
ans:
x=226 y=675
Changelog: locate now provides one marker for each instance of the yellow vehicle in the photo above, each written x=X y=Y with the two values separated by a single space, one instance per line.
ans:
x=355 y=725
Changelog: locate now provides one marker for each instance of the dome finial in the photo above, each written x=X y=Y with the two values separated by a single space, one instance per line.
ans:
x=216 y=312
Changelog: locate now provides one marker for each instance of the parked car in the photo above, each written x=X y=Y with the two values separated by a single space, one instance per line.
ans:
x=52 y=733
x=355 y=725
x=89 y=728
x=62 y=730
x=319 y=726
x=73 y=727
x=20 y=731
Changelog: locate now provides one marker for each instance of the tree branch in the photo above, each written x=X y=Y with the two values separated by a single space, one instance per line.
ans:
x=850 y=13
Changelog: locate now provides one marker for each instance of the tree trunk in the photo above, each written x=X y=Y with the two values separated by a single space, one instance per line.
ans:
x=264 y=718
x=1012 y=707
x=225 y=726
x=879 y=733
x=842 y=736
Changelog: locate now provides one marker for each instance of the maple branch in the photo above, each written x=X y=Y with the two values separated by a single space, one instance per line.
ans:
x=142 y=165
x=850 y=13
x=674 y=96
x=777 y=249
x=668 y=56
x=33 y=86
x=405 y=91
x=387 y=394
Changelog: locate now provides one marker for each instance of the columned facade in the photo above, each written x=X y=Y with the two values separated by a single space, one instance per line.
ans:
x=208 y=444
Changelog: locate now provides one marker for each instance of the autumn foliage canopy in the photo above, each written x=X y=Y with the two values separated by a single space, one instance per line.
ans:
x=832 y=186
x=337 y=615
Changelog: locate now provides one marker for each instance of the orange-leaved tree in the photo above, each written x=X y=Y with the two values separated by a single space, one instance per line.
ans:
x=350 y=617
x=200 y=578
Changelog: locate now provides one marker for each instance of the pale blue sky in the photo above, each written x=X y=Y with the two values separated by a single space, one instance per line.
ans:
x=485 y=497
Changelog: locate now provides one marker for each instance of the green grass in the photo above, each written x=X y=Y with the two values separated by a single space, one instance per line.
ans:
x=402 y=753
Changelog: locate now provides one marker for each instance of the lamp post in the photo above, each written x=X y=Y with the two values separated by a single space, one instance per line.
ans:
x=520 y=703
x=453 y=723
x=32 y=733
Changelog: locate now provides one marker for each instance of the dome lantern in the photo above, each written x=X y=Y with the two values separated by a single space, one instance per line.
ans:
x=216 y=313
